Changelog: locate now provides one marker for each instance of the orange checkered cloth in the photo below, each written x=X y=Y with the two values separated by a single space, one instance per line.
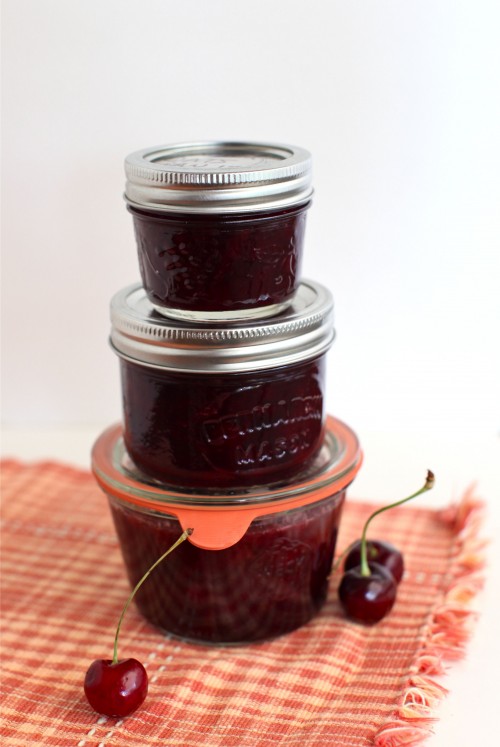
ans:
x=331 y=682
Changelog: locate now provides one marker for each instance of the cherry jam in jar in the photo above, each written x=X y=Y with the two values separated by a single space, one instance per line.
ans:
x=219 y=227
x=257 y=563
x=223 y=407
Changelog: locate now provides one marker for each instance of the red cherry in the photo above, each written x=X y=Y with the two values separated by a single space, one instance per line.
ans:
x=368 y=589
x=367 y=598
x=379 y=552
x=116 y=689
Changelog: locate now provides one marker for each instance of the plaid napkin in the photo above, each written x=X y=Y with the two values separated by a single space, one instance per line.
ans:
x=331 y=682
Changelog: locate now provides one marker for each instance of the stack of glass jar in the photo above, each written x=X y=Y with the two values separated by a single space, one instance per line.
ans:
x=222 y=351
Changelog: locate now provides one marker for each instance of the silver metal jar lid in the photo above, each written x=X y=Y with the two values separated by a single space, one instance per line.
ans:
x=302 y=332
x=218 y=177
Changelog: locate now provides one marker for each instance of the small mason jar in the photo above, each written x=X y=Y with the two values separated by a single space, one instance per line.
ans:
x=219 y=226
x=257 y=563
x=217 y=407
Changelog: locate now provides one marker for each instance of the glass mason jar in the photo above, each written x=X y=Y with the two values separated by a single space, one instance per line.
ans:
x=257 y=562
x=217 y=407
x=219 y=226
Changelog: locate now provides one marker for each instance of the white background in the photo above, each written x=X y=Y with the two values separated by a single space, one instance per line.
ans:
x=398 y=103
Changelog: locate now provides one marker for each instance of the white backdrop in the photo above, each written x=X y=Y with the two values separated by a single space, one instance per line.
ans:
x=398 y=103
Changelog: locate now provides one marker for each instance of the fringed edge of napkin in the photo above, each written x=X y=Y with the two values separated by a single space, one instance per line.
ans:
x=447 y=631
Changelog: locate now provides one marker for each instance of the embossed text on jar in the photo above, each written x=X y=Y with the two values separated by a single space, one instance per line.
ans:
x=223 y=429
x=219 y=263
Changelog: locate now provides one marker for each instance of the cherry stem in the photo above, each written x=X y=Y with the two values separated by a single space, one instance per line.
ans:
x=138 y=585
x=342 y=555
x=365 y=568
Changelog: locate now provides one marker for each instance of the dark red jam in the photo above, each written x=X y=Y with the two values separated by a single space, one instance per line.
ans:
x=222 y=430
x=220 y=263
x=257 y=562
x=272 y=581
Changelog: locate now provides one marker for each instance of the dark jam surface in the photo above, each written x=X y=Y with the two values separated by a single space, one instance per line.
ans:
x=272 y=581
x=223 y=430
x=220 y=262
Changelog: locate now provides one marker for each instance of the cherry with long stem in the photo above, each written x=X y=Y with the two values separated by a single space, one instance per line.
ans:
x=429 y=483
x=115 y=687
x=367 y=590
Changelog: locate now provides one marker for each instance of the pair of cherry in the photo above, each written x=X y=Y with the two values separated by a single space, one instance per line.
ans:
x=367 y=592
x=372 y=571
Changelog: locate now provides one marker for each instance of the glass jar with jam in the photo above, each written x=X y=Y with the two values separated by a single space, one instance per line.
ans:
x=257 y=563
x=223 y=406
x=219 y=226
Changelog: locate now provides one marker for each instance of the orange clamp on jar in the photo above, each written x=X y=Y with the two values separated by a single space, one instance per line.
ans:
x=257 y=562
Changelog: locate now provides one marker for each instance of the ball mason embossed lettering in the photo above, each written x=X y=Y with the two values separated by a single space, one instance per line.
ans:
x=223 y=406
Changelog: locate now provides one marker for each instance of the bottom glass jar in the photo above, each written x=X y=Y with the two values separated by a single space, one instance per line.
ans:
x=257 y=563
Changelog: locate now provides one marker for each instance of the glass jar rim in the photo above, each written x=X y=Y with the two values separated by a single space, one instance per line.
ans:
x=221 y=519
